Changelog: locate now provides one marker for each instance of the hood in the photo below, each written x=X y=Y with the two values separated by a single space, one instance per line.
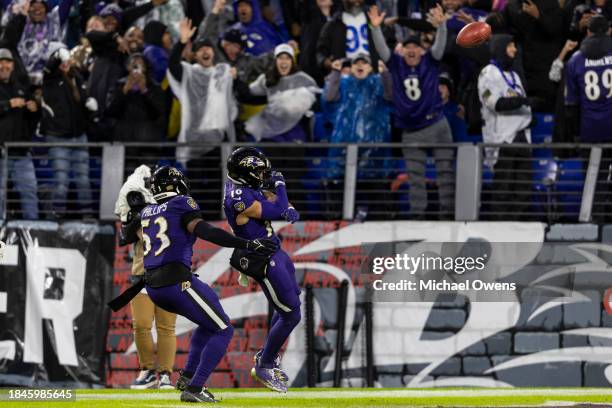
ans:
x=498 y=45
x=153 y=33
x=596 y=47
x=256 y=12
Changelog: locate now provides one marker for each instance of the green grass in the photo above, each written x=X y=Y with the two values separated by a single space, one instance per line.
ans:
x=327 y=397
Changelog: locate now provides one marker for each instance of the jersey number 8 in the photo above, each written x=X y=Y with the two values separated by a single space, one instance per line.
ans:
x=413 y=92
x=591 y=84
x=161 y=235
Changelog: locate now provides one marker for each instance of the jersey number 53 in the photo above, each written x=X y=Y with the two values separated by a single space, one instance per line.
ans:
x=161 y=235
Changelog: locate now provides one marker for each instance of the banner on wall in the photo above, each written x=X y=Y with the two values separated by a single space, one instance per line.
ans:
x=560 y=335
x=54 y=282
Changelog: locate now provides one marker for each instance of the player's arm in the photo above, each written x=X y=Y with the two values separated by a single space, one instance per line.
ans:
x=437 y=18
x=203 y=230
x=275 y=209
x=376 y=18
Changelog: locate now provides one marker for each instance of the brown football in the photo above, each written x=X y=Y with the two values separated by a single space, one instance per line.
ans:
x=473 y=34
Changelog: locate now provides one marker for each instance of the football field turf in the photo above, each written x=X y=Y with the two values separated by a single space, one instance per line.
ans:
x=353 y=397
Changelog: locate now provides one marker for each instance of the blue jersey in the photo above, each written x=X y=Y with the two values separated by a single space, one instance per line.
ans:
x=165 y=238
x=589 y=85
x=237 y=199
x=416 y=97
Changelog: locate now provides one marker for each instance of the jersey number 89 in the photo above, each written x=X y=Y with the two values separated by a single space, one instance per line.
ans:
x=161 y=235
x=591 y=84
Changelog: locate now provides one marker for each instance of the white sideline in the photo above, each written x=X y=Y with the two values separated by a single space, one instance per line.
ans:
x=546 y=392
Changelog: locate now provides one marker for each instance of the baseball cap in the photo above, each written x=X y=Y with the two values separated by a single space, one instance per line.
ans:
x=284 y=49
x=413 y=39
x=598 y=24
x=235 y=36
x=6 y=54
x=362 y=57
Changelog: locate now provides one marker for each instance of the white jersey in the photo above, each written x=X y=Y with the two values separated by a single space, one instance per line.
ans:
x=356 y=34
x=501 y=127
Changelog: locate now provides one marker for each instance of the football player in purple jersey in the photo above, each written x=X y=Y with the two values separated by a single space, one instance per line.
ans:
x=249 y=210
x=169 y=230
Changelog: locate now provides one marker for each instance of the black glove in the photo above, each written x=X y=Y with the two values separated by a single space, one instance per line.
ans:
x=262 y=246
x=136 y=201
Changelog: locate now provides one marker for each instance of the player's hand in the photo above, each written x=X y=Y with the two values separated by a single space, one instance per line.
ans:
x=17 y=103
x=569 y=46
x=262 y=246
x=186 y=30
x=530 y=8
x=436 y=16
x=464 y=17
x=32 y=106
x=218 y=6
x=381 y=67
x=375 y=16
x=277 y=178
x=291 y=215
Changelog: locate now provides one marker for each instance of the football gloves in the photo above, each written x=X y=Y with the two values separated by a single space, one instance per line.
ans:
x=262 y=246
x=291 y=215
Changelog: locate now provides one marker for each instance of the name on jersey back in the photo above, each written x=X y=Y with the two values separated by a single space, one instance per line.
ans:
x=154 y=210
x=607 y=60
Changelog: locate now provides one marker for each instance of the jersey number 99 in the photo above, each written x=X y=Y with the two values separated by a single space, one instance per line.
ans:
x=161 y=235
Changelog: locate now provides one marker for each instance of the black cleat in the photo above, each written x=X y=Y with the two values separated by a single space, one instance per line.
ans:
x=183 y=381
x=203 y=396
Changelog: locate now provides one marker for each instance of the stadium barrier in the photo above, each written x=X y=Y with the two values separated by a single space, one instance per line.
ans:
x=560 y=183
x=561 y=339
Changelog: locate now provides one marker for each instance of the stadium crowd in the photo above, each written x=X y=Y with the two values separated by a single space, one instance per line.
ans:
x=258 y=70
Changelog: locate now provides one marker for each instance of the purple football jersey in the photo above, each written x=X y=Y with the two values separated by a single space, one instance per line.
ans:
x=237 y=199
x=166 y=239
x=589 y=85
x=416 y=97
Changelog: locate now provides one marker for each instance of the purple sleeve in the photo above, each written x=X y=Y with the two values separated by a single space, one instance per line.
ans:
x=241 y=200
x=185 y=204
x=572 y=96
x=276 y=210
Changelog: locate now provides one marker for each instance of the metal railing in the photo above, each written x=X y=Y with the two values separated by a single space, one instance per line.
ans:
x=543 y=182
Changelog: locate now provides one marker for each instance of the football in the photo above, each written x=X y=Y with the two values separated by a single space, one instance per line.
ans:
x=474 y=34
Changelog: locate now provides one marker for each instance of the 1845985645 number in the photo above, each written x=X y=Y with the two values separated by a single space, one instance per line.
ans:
x=42 y=394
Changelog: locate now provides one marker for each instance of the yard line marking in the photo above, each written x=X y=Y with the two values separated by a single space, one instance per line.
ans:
x=547 y=392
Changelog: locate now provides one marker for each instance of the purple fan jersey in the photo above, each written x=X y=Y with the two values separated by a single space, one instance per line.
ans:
x=165 y=238
x=416 y=97
x=589 y=85
x=237 y=199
